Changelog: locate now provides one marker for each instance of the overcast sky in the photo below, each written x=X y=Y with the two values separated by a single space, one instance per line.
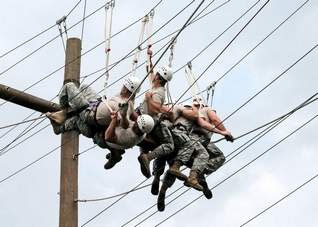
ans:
x=31 y=197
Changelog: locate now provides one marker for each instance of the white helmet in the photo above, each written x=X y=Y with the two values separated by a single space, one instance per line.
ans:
x=165 y=72
x=145 y=123
x=132 y=83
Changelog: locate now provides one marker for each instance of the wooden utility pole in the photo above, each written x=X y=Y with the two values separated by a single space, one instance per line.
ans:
x=70 y=140
x=69 y=147
x=27 y=100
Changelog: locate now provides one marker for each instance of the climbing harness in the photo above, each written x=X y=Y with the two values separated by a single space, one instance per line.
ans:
x=108 y=32
x=150 y=27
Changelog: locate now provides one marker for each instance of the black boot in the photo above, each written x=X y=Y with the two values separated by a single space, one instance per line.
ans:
x=113 y=159
x=155 y=185
x=206 y=190
x=161 y=197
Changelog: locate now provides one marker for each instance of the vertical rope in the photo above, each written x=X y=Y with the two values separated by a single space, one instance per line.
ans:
x=108 y=31
x=139 y=48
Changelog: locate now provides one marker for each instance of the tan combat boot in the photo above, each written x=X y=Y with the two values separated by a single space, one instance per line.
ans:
x=193 y=182
x=144 y=160
x=175 y=171
x=58 y=117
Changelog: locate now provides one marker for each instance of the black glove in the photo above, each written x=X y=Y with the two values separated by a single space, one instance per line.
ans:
x=229 y=138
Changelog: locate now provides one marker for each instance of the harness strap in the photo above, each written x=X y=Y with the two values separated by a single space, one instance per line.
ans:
x=108 y=33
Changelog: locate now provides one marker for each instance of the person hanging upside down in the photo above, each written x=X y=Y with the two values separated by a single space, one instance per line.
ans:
x=85 y=111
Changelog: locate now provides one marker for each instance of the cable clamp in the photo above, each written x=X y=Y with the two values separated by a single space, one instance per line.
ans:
x=59 y=21
x=212 y=86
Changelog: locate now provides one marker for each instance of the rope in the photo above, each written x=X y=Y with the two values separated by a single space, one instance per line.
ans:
x=191 y=80
x=139 y=48
x=108 y=34
x=150 y=27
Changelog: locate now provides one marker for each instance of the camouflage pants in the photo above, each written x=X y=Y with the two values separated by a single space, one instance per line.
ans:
x=216 y=156
x=187 y=147
x=162 y=136
x=215 y=161
x=77 y=98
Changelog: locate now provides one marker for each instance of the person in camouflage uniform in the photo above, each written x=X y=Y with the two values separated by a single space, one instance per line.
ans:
x=202 y=134
x=84 y=111
x=153 y=106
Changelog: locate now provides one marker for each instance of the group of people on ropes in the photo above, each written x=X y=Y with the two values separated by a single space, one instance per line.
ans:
x=179 y=135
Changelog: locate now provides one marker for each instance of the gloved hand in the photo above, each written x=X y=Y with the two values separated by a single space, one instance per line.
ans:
x=229 y=138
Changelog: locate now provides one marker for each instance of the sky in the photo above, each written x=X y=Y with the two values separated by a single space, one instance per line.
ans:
x=31 y=198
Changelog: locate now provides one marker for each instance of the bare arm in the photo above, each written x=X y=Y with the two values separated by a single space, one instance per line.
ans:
x=150 y=65
x=191 y=114
x=154 y=106
x=110 y=135
x=215 y=120
x=208 y=126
